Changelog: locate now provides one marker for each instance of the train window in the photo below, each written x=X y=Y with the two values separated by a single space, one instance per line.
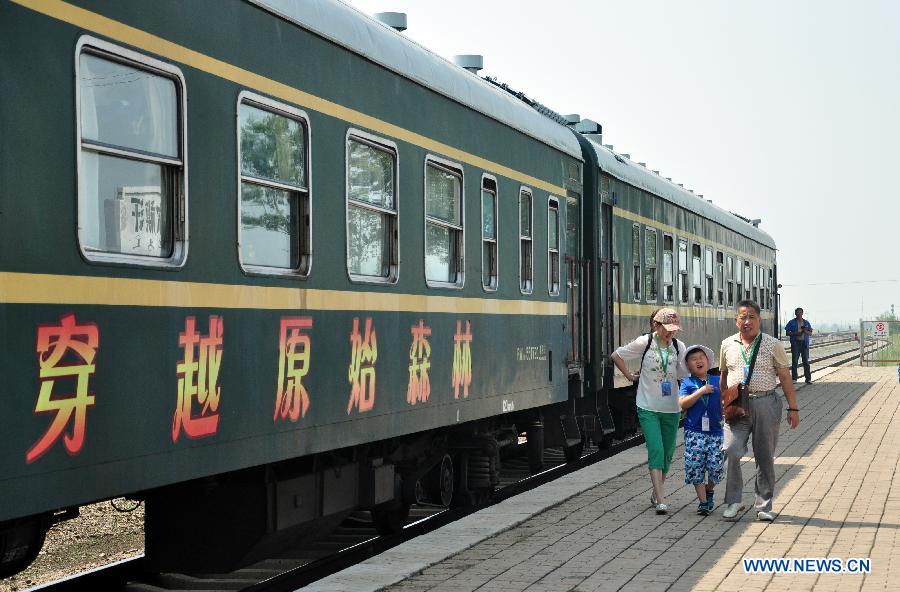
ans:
x=636 y=262
x=668 y=263
x=697 y=273
x=444 y=245
x=489 y=275
x=526 y=265
x=710 y=270
x=274 y=212
x=683 y=270
x=132 y=170
x=746 y=279
x=553 y=246
x=729 y=272
x=373 y=249
x=739 y=278
x=755 y=293
x=650 y=277
x=720 y=278
x=771 y=289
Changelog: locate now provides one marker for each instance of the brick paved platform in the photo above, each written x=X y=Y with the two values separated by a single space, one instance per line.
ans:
x=837 y=496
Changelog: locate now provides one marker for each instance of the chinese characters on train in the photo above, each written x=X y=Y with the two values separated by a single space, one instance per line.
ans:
x=199 y=393
x=419 y=386
x=462 y=360
x=292 y=398
x=361 y=373
x=66 y=353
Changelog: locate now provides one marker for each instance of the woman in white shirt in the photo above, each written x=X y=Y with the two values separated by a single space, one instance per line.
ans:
x=662 y=365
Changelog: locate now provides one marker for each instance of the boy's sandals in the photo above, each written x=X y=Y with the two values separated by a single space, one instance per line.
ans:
x=662 y=509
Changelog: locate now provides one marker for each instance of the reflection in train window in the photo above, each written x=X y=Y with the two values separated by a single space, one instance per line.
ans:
x=525 y=223
x=489 y=274
x=274 y=211
x=373 y=249
x=697 y=273
x=131 y=177
x=684 y=289
x=636 y=262
x=444 y=245
x=668 y=263
x=553 y=246
x=650 y=263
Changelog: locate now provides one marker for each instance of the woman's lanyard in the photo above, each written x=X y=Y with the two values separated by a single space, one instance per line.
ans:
x=666 y=384
x=663 y=361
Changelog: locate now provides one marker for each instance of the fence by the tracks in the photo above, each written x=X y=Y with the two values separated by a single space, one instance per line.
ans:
x=879 y=343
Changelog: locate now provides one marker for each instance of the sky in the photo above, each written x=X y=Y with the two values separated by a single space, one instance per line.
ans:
x=787 y=111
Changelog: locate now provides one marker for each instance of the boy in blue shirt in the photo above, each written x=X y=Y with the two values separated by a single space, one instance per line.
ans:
x=700 y=398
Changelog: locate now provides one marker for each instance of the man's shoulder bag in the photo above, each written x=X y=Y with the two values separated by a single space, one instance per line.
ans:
x=736 y=398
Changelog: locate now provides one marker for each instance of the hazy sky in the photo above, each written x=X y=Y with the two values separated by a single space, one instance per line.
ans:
x=787 y=111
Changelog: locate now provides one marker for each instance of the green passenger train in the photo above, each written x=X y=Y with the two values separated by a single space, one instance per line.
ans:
x=267 y=262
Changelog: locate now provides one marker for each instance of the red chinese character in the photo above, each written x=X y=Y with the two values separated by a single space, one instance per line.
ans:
x=361 y=373
x=462 y=360
x=198 y=379
x=419 y=386
x=53 y=343
x=291 y=399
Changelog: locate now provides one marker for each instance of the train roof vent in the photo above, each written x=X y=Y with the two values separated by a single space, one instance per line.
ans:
x=681 y=185
x=395 y=20
x=700 y=195
x=572 y=118
x=643 y=164
x=588 y=126
x=471 y=62
x=691 y=190
x=628 y=156
x=609 y=147
x=656 y=173
x=668 y=178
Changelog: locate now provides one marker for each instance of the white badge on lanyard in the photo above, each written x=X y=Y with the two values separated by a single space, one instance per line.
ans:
x=704 y=423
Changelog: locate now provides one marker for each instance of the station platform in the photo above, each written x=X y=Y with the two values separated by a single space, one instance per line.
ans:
x=837 y=496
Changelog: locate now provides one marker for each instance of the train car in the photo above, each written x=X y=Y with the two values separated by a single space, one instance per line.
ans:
x=264 y=263
x=658 y=244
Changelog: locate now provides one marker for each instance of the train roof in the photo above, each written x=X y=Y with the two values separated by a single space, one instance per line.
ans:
x=358 y=32
x=639 y=176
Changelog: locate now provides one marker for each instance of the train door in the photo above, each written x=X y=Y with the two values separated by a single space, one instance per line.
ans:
x=574 y=296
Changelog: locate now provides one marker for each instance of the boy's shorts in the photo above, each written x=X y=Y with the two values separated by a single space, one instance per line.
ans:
x=704 y=458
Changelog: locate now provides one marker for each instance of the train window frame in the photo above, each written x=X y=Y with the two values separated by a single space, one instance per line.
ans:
x=391 y=274
x=554 y=276
x=755 y=282
x=175 y=169
x=526 y=243
x=747 y=280
x=458 y=262
x=636 y=267
x=684 y=293
x=651 y=272
x=730 y=289
x=697 y=274
x=668 y=288
x=488 y=244
x=770 y=290
x=720 y=278
x=709 y=284
x=303 y=193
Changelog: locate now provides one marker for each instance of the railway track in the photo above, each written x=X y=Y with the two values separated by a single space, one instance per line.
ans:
x=355 y=540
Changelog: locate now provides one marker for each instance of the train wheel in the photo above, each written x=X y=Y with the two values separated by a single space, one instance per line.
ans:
x=441 y=480
x=20 y=542
x=390 y=518
x=573 y=453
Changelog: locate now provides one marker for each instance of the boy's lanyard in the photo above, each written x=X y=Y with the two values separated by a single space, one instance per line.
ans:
x=664 y=362
x=705 y=398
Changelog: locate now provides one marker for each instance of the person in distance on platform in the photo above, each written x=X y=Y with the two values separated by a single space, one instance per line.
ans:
x=736 y=361
x=799 y=331
x=661 y=366
x=704 y=459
